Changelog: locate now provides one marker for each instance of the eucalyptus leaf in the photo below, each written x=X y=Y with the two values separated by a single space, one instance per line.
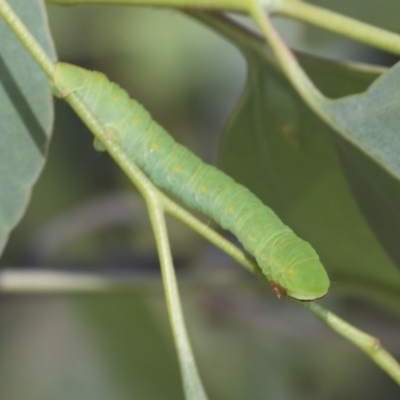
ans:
x=26 y=115
x=372 y=121
x=286 y=154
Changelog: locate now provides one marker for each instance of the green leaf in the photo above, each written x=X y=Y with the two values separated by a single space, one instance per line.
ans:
x=283 y=152
x=371 y=120
x=26 y=115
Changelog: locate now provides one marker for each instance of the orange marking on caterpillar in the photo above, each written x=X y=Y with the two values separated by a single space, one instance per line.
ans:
x=117 y=97
x=290 y=273
x=102 y=78
x=177 y=168
x=230 y=208
x=203 y=188
x=249 y=235
x=135 y=121
x=154 y=146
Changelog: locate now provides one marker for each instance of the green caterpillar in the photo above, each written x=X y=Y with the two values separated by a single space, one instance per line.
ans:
x=290 y=263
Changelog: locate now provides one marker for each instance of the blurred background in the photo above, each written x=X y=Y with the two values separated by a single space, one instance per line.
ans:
x=86 y=216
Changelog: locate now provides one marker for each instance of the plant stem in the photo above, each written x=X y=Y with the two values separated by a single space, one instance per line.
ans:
x=26 y=38
x=337 y=23
x=368 y=344
x=296 y=9
x=290 y=66
x=191 y=381
x=40 y=281
x=49 y=281
x=192 y=384
x=240 y=6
